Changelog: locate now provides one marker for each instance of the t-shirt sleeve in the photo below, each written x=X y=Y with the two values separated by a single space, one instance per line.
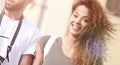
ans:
x=31 y=47
x=43 y=41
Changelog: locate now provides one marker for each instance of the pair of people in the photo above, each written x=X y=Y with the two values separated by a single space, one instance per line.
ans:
x=84 y=43
x=18 y=37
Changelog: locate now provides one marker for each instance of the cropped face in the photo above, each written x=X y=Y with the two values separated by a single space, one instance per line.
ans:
x=14 y=5
x=79 y=20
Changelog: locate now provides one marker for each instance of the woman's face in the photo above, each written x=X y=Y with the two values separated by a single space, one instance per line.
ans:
x=79 y=20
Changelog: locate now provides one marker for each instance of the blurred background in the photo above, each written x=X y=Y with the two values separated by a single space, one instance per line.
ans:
x=51 y=17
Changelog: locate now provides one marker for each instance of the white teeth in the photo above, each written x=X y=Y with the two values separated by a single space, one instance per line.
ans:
x=76 y=27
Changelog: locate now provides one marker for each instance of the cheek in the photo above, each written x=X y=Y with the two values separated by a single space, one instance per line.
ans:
x=84 y=24
x=71 y=20
x=85 y=27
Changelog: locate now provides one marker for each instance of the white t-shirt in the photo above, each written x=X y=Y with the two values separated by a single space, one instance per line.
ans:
x=25 y=42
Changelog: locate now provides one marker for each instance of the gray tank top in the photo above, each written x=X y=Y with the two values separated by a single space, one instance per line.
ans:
x=55 y=55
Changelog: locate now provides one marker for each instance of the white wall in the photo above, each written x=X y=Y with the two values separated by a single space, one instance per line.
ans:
x=32 y=11
x=1 y=3
x=56 y=17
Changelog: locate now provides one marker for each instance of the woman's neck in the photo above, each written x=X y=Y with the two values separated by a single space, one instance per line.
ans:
x=15 y=15
x=69 y=45
x=71 y=41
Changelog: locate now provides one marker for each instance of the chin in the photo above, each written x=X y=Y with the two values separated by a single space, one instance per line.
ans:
x=74 y=33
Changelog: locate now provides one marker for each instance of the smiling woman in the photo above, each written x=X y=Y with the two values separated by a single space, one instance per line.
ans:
x=84 y=43
x=79 y=21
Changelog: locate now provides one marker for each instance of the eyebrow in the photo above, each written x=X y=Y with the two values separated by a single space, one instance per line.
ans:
x=4 y=37
x=86 y=17
x=76 y=12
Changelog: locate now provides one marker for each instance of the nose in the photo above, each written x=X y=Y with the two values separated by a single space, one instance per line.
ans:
x=78 y=20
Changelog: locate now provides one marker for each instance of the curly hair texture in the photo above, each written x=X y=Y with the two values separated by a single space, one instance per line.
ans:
x=91 y=50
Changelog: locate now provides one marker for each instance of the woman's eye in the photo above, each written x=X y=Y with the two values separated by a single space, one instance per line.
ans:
x=86 y=20
x=75 y=15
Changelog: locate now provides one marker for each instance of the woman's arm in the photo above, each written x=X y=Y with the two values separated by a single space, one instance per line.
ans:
x=38 y=60
x=26 y=59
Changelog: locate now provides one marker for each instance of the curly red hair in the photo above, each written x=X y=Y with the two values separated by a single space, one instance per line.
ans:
x=91 y=51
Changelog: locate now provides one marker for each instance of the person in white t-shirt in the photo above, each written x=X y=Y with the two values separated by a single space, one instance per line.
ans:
x=16 y=34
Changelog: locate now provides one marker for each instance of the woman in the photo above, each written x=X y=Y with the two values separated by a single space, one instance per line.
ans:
x=85 y=42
